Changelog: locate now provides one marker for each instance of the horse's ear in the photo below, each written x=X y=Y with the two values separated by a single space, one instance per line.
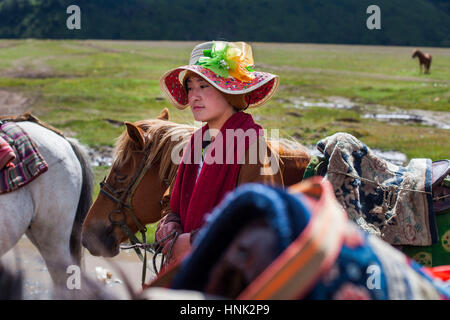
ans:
x=136 y=134
x=164 y=115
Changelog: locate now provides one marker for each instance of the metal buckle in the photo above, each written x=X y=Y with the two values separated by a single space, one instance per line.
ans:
x=117 y=222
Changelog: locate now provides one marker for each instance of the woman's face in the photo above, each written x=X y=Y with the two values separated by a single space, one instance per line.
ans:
x=207 y=104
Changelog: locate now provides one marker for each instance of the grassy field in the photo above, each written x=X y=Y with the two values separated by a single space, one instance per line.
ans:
x=78 y=85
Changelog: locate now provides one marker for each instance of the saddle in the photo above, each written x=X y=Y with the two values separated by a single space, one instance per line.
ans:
x=20 y=159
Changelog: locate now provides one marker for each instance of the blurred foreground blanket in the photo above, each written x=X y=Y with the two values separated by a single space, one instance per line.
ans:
x=323 y=254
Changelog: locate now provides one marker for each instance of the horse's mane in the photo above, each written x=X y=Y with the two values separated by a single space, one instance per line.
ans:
x=162 y=136
x=417 y=52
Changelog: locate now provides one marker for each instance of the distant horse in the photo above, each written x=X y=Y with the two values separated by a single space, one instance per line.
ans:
x=132 y=194
x=50 y=209
x=424 y=59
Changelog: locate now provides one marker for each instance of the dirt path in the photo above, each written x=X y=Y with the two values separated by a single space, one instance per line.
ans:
x=438 y=119
x=34 y=68
x=37 y=282
x=12 y=103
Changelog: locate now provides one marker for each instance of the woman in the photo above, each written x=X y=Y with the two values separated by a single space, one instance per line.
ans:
x=398 y=204
x=218 y=85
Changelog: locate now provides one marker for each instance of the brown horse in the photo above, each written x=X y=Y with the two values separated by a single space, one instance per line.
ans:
x=424 y=59
x=131 y=196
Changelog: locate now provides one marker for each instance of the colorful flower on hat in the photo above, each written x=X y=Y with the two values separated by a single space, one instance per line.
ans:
x=227 y=59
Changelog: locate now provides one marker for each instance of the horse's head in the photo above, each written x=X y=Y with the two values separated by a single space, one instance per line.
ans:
x=132 y=192
x=415 y=53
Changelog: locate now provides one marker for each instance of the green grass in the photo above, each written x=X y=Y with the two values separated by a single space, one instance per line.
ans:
x=80 y=84
x=86 y=82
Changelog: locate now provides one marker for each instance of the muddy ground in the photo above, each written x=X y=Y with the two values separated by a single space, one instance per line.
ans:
x=38 y=284
x=12 y=103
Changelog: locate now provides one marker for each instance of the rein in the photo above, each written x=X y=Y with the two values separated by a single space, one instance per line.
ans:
x=123 y=199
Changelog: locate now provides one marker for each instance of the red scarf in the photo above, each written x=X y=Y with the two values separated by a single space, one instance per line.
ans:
x=193 y=199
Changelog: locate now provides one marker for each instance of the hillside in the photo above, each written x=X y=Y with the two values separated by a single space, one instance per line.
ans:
x=403 y=22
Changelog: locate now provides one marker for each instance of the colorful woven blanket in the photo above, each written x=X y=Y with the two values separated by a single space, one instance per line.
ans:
x=323 y=255
x=390 y=201
x=437 y=254
x=29 y=163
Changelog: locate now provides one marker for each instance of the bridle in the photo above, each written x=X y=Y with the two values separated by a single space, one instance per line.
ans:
x=123 y=199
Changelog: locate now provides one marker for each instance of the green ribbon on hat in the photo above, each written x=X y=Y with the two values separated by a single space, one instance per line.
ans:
x=229 y=59
x=214 y=59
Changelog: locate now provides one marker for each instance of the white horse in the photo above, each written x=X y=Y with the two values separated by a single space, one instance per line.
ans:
x=50 y=210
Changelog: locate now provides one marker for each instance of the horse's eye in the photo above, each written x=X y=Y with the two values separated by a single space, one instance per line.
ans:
x=120 y=178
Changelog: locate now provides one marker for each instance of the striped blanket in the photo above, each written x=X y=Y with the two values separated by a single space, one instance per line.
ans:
x=29 y=163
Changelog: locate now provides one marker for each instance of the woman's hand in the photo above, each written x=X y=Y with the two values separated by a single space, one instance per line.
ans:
x=164 y=229
x=180 y=248
x=167 y=225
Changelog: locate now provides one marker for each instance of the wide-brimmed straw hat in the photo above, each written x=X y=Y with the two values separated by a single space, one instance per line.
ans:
x=228 y=67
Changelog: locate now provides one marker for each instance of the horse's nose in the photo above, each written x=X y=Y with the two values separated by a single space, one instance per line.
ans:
x=87 y=244
x=100 y=241
x=84 y=242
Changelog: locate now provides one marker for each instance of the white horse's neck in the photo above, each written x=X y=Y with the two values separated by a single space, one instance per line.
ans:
x=45 y=208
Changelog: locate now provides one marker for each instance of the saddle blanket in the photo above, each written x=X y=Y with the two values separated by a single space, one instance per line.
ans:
x=390 y=201
x=28 y=164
